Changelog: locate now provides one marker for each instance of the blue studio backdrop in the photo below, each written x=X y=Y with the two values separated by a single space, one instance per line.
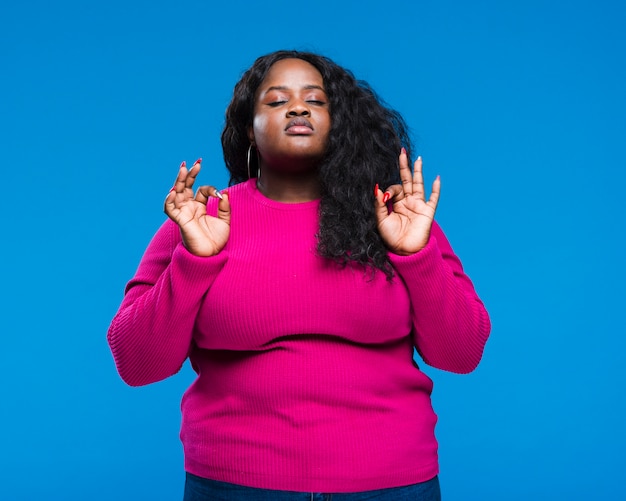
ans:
x=519 y=106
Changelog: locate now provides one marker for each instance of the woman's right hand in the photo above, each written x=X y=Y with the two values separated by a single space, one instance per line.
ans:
x=202 y=235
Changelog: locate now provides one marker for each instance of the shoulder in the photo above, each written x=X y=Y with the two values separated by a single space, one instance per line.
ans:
x=241 y=190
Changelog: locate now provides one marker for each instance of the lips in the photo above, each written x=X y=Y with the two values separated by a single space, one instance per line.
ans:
x=299 y=125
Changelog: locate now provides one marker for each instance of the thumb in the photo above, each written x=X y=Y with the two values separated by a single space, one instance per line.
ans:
x=223 y=208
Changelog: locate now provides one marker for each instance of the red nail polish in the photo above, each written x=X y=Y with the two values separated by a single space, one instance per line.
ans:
x=182 y=164
x=386 y=198
x=376 y=190
x=199 y=161
x=403 y=150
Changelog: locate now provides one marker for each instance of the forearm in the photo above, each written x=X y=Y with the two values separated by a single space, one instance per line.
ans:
x=450 y=322
x=151 y=333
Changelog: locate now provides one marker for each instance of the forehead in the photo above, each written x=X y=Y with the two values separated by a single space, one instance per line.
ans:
x=291 y=73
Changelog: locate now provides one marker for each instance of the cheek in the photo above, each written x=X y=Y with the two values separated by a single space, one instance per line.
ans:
x=327 y=123
x=327 y=127
x=258 y=124
x=261 y=129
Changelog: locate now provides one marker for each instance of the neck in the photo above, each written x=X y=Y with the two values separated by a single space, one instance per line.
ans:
x=289 y=188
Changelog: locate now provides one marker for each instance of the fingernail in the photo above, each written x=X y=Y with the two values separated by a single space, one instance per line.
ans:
x=218 y=195
x=419 y=158
x=376 y=190
x=173 y=188
x=386 y=198
x=403 y=151
x=199 y=161
x=182 y=164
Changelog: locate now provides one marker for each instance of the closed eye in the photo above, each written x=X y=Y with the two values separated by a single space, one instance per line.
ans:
x=316 y=102
x=274 y=104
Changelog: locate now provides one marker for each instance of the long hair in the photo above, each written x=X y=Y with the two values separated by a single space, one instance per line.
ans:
x=364 y=143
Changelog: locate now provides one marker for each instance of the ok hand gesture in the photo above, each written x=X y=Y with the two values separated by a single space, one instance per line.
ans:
x=202 y=235
x=406 y=229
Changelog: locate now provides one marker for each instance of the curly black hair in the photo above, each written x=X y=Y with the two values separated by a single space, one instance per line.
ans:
x=364 y=143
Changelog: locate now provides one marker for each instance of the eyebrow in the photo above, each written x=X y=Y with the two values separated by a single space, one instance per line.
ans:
x=306 y=87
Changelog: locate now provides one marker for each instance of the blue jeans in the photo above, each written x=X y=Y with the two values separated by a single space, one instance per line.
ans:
x=203 y=489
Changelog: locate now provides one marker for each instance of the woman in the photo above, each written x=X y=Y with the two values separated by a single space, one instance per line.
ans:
x=299 y=294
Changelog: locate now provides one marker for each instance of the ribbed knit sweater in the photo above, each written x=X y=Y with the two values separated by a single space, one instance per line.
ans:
x=306 y=379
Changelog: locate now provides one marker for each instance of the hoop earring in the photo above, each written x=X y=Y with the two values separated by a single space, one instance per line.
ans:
x=258 y=171
x=248 y=160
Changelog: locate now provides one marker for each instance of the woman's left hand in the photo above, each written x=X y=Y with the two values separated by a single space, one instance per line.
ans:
x=406 y=229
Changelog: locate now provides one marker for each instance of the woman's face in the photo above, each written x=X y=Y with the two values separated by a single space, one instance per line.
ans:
x=291 y=116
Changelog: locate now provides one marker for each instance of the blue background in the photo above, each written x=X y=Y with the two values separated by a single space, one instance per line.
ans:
x=519 y=106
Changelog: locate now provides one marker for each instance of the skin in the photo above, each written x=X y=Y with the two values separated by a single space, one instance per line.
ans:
x=406 y=229
x=289 y=153
x=290 y=130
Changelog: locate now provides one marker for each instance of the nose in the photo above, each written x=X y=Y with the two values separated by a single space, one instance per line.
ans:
x=299 y=108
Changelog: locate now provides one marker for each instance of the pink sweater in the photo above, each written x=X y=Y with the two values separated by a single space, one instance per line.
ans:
x=306 y=379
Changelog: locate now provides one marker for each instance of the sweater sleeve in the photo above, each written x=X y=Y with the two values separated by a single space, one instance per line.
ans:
x=450 y=322
x=150 y=336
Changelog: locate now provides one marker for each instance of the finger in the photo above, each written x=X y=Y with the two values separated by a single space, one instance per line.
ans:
x=179 y=183
x=193 y=173
x=405 y=173
x=223 y=208
x=418 y=179
x=205 y=192
x=380 y=201
x=434 y=195
x=394 y=193
x=169 y=205
x=380 y=205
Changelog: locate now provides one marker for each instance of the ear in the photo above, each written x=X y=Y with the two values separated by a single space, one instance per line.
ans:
x=250 y=131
